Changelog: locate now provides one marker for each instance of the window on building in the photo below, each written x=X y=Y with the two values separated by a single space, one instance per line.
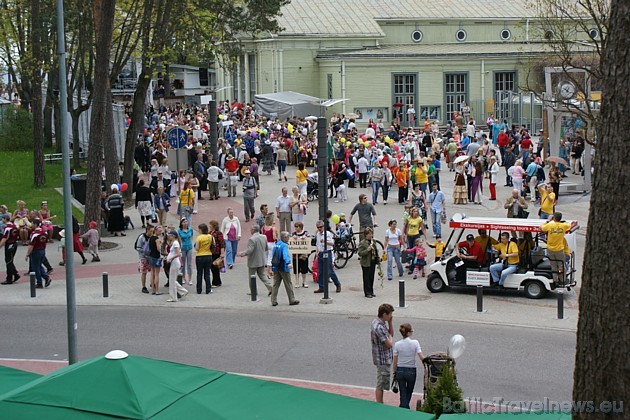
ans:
x=252 y=76
x=431 y=112
x=241 y=78
x=405 y=92
x=330 y=86
x=235 y=83
x=504 y=90
x=455 y=93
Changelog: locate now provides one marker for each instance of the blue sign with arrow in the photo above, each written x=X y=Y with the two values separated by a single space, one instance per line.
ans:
x=177 y=137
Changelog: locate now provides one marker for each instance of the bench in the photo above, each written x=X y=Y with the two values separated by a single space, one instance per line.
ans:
x=57 y=157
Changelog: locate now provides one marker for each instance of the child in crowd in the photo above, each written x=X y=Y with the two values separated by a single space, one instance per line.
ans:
x=420 y=260
x=92 y=236
x=439 y=247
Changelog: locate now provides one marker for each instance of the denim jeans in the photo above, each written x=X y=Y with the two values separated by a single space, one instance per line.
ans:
x=37 y=259
x=230 y=252
x=406 y=378
x=435 y=220
x=282 y=167
x=393 y=254
x=385 y=192
x=497 y=268
x=376 y=185
x=411 y=240
x=203 y=271
x=186 y=263
x=331 y=270
x=423 y=188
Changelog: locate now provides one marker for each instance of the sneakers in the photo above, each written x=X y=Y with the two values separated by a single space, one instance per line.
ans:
x=47 y=283
x=295 y=302
x=171 y=300
x=415 y=276
x=304 y=285
x=145 y=290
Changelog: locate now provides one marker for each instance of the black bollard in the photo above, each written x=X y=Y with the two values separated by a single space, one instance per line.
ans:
x=105 y=284
x=33 y=291
x=252 y=288
x=479 y=298
x=560 y=305
x=401 y=294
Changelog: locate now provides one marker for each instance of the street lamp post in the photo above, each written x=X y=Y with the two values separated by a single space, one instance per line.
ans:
x=67 y=204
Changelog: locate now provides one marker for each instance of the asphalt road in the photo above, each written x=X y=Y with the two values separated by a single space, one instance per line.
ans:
x=499 y=362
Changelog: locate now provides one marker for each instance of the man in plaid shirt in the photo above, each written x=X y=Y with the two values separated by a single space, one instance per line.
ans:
x=382 y=343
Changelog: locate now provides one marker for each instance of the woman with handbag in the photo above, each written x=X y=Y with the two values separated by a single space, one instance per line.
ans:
x=394 y=244
x=404 y=364
x=218 y=244
x=368 y=258
x=174 y=259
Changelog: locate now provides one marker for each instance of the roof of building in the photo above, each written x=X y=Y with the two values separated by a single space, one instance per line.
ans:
x=451 y=49
x=360 y=17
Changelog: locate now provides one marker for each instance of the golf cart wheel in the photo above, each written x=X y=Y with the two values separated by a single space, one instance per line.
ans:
x=534 y=289
x=435 y=284
x=310 y=197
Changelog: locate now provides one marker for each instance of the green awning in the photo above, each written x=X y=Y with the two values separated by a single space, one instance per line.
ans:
x=135 y=387
x=11 y=379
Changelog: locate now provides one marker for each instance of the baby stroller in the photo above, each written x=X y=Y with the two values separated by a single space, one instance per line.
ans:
x=312 y=186
x=432 y=369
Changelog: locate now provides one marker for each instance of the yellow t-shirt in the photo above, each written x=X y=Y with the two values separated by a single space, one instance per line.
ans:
x=204 y=245
x=413 y=225
x=186 y=197
x=555 y=234
x=508 y=248
x=547 y=200
x=439 y=248
x=421 y=176
x=300 y=176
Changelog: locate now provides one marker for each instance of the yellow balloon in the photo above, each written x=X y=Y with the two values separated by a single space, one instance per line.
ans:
x=348 y=144
x=335 y=218
x=221 y=117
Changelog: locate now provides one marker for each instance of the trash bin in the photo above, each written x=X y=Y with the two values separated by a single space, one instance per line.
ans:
x=79 y=187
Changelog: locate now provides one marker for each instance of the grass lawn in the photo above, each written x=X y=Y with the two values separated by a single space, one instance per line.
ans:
x=16 y=174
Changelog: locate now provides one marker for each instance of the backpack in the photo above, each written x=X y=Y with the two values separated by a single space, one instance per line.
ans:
x=139 y=244
x=277 y=261
x=146 y=249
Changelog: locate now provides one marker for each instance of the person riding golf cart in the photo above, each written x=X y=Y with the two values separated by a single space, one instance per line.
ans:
x=516 y=260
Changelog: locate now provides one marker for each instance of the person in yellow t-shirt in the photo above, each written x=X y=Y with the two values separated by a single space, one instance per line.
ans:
x=187 y=202
x=555 y=230
x=508 y=253
x=413 y=226
x=421 y=175
x=547 y=201
x=439 y=247
x=486 y=243
x=203 y=259
x=300 y=178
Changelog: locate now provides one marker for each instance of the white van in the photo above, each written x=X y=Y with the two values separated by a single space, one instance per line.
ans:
x=533 y=275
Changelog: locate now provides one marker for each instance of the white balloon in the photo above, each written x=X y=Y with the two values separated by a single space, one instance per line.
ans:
x=456 y=346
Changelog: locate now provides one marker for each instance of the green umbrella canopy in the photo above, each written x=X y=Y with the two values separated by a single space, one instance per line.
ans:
x=121 y=386
x=13 y=378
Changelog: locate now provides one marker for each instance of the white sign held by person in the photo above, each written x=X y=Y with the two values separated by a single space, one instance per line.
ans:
x=300 y=246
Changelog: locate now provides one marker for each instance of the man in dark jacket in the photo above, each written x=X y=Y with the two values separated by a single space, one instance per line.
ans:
x=160 y=181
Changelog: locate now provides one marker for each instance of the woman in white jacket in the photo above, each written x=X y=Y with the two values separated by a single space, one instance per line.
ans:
x=231 y=228
x=493 y=169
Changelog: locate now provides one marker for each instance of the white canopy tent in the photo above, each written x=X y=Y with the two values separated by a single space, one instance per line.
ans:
x=291 y=104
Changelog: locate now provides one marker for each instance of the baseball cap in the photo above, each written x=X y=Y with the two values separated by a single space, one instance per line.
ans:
x=470 y=237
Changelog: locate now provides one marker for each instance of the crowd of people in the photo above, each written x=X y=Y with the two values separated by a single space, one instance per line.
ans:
x=409 y=161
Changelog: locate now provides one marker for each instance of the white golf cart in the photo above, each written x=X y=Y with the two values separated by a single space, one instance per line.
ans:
x=534 y=274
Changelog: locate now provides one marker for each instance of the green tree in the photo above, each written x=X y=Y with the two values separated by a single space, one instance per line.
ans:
x=445 y=397
x=207 y=28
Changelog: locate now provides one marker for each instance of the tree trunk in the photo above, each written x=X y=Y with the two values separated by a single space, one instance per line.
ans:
x=136 y=126
x=48 y=117
x=39 y=175
x=103 y=28
x=109 y=143
x=602 y=367
x=76 y=143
